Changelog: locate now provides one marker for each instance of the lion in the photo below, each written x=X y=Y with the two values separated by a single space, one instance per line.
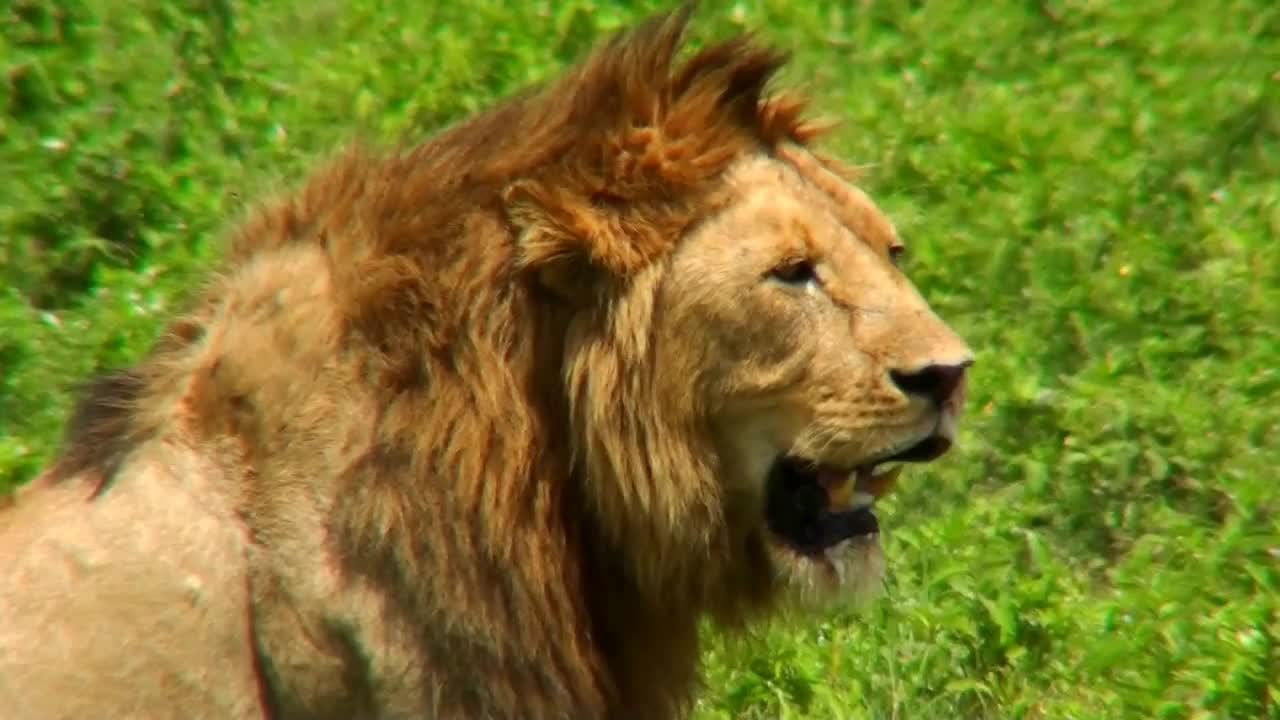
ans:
x=487 y=426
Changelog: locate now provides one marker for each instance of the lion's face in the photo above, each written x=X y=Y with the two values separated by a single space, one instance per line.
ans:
x=818 y=365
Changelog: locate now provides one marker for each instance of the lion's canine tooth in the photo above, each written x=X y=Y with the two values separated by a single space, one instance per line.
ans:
x=887 y=467
x=879 y=485
x=863 y=500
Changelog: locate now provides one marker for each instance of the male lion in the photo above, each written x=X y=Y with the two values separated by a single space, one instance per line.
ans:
x=484 y=427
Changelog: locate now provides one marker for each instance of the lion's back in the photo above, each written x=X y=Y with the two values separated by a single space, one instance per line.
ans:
x=128 y=606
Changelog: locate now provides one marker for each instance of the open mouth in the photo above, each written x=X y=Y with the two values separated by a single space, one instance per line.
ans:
x=814 y=507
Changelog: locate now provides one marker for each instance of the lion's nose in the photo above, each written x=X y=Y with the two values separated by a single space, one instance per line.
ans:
x=936 y=382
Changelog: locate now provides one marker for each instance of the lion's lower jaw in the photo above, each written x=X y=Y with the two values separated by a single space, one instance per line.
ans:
x=849 y=574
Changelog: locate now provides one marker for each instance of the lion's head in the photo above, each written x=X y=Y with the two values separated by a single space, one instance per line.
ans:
x=814 y=365
x=745 y=364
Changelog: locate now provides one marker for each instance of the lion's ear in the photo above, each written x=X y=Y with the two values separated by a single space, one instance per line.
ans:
x=568 y=277
x=566 y=243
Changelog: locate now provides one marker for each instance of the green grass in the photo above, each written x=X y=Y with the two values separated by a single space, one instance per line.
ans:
x=1091 y=192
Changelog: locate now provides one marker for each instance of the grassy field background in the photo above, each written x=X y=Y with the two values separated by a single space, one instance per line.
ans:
x=1091 y=191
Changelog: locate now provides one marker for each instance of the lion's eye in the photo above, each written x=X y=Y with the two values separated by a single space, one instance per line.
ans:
x=796 y=272
x=895 y=253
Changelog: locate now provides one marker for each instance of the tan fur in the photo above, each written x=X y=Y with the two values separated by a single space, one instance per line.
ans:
x=479 y=428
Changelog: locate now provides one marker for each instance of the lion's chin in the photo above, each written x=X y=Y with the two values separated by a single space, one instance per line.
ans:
x=848 y=573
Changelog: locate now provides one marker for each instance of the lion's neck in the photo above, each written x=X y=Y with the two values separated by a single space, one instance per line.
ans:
x=648 y=643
